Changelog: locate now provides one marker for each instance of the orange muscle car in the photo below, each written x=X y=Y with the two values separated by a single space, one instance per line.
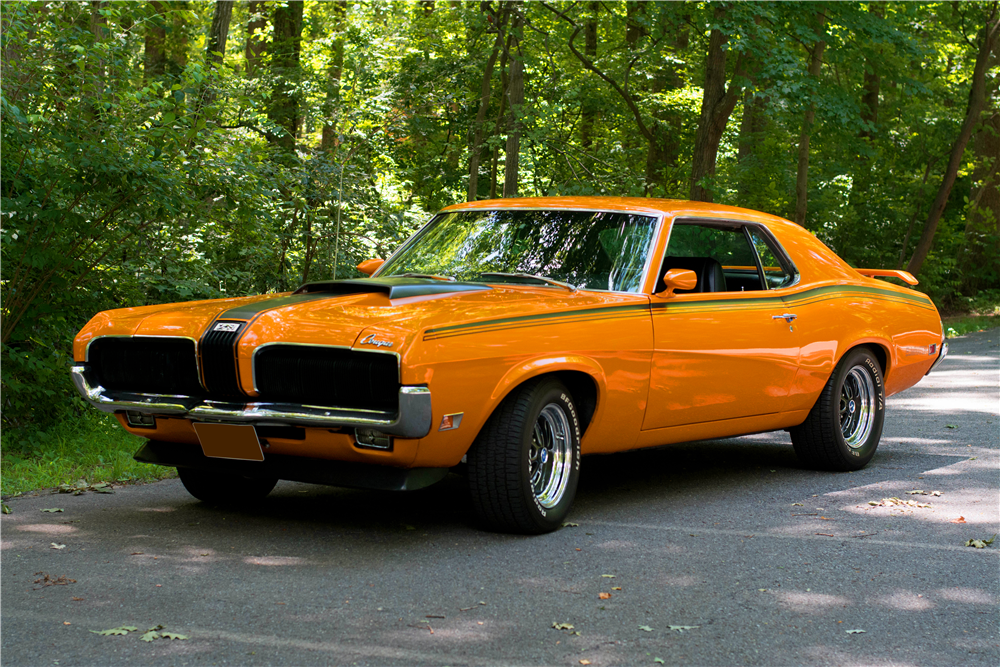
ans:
x=514 y=336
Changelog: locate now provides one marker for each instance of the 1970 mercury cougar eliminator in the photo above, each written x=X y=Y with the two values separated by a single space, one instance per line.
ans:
x=515 y=336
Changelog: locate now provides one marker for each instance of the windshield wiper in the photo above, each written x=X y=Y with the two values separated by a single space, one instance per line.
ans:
x=531 y=276
x=432 y=276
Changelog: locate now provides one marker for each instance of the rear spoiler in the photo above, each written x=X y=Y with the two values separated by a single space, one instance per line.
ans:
x=905 y=276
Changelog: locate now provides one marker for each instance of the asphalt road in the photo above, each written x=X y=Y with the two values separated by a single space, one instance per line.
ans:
x=765 y=563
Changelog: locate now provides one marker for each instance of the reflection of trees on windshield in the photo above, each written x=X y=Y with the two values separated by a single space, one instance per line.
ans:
x=594 y=250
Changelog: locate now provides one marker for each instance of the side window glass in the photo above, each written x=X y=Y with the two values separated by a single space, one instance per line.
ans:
x=776 y=273
x=720 y=256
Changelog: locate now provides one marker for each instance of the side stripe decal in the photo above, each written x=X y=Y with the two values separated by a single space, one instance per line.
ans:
x=808 y=297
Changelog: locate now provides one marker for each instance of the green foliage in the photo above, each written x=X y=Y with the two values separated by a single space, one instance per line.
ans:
x=123 y=188
x=90 y=446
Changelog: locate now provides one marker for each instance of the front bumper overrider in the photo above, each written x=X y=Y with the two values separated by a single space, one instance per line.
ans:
x=411 y=420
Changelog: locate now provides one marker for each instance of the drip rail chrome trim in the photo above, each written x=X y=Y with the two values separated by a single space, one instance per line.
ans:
x=413 y=419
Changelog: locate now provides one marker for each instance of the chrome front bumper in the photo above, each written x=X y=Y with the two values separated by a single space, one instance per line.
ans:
x=413 y=420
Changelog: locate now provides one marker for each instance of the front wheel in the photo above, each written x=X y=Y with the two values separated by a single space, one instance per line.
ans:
x=843 y=429
x=224 y=489
x=524 y=465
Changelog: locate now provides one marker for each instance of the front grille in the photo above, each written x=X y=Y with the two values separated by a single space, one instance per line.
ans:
x=218 y=360
x=146 y=365
x=327 y=376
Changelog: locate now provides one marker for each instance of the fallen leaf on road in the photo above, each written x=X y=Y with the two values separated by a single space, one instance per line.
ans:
x=57 y=546
x=916 y=492
x=172 y=635
x=61 y=580
x=960 y=519
x=569 y=524
x=645 y=628
x=897 y=502
x=950 y=426
x=682 y=628
x=935 y=493
x=980 y=544
x=4 y=508
x=796 y=504
x=604 y=596
x=608 y=576
x=77 y=599
x=854 y=632
x=658 y=661
x=563 y=626
x=616 y=588
x=824 y=534
x=121 y=630
x=52 y=509
x=823 y=518
x=584 y=661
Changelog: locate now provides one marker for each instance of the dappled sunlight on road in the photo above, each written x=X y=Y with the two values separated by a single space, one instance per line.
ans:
x=967 y=595
x=953 y=403
x=275 y=560
x=904 y=601
x=48 y=528
x=807 y=602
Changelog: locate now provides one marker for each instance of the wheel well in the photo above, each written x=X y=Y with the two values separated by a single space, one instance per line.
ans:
x=584 y=391
x=880 y=354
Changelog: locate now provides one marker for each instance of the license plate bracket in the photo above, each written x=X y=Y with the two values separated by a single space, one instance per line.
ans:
x=229 y=441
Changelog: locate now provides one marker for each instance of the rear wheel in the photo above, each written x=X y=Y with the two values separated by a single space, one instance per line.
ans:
x=224 y=489
x=524 y=465
x=843 y=429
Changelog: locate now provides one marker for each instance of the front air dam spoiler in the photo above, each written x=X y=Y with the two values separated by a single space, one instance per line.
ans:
x=293 y=468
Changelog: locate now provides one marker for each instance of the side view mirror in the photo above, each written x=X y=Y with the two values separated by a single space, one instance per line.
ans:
x=678 y=279
x=370 y=266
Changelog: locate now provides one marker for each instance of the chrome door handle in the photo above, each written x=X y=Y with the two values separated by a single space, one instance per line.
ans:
x=788 y=317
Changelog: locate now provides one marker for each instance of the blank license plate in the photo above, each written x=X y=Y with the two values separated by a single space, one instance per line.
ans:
x=229 y=441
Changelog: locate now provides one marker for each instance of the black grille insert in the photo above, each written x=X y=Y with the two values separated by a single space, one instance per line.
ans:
x=218 y=359
x=327 y=376
x=146 y=365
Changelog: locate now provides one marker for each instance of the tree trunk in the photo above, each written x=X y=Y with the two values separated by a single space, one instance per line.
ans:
x=178 y=39
x=516 y=102
x=802 y=174
x=588 y=106
x=982 y=226
x=331 y=105
x=256 y=24
x=215 y=50
x=286 y=44
x=752 y=127
x=486 y=91
x=663 y=152
x=717 y=105
x=978 y=99
x=154 y=59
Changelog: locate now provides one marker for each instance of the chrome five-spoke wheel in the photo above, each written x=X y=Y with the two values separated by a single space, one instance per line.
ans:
x=857 y=402
x=550 y=456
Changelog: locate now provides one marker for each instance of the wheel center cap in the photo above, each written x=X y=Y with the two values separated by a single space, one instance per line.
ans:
x=545 y=455
x=850 y=406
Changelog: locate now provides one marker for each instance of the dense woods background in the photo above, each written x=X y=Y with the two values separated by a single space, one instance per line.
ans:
x=168 y=151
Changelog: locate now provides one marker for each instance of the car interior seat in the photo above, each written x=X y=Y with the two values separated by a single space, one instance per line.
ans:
x=708 y=270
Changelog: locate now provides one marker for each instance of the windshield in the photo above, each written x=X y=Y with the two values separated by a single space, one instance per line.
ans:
x=591 y=250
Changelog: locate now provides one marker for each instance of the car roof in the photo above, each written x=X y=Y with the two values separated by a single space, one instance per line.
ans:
x=670 y=207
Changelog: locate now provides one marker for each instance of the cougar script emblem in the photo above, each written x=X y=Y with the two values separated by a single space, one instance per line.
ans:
x=370 y=339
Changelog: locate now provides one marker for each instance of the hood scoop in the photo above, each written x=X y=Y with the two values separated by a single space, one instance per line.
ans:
x=395 y=288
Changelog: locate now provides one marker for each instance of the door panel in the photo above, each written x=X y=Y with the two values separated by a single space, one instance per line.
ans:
x=719 y=356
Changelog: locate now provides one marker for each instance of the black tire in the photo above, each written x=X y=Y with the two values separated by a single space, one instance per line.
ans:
x=524 y=465
x=843 y=429
x=224 y=489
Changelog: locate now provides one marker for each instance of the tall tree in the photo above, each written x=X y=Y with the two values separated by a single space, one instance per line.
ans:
x=498 y=21
x=588 y=105
x=218 y=33
x=256 y=25
x=978 y=100
x=154 y=58
x=717 y=104
x=286 y=44
x=808 y=118
x=515 y=94
x=331 y=101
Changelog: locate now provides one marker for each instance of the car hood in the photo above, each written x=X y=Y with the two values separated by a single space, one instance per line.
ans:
x=378 y=314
